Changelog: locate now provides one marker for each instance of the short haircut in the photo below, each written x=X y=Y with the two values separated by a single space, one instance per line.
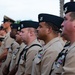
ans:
x=54 y=28
x=72 y=15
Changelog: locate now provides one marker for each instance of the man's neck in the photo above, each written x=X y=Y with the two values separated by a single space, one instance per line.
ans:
x=8 y=30
x=72 y=38
x=49 y=38
x=30 y=41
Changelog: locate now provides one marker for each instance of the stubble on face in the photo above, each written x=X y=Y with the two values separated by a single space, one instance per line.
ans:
x=67 y=26
x=41 y=30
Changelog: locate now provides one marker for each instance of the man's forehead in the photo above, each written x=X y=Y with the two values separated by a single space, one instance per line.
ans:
x=18 y=32
x=42 y=23
x=14 y=29
x=5 y=22
x=24 y=29
x=67 y=15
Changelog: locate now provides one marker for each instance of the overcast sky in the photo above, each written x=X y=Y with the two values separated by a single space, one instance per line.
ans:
x=28 y=9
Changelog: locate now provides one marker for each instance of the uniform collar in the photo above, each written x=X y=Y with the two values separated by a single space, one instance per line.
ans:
x=22 y=45
x=34 y=42
x=51 y=42
x=71 y=46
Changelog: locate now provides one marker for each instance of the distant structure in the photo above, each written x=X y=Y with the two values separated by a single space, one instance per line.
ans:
x=61 y=7
x=71 y=0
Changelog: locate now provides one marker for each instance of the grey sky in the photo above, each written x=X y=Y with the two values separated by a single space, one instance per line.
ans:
x=28 y=9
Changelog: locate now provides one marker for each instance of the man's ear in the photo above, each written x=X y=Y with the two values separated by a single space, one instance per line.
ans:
x=49 y=29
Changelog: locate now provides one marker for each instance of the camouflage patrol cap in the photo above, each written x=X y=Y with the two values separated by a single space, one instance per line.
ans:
x=69 y=7
x=7 y=19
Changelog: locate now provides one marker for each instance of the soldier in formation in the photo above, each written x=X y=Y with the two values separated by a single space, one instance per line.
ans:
x=21 y=50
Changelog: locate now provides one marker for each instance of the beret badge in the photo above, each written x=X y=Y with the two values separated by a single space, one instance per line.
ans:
x=41 y=18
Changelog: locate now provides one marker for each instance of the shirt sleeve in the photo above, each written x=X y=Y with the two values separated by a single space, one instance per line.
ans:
x=48 y=61
x=69 y=67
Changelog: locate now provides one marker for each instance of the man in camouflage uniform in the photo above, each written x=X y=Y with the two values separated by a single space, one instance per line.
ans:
x=9 y=43
x=29 y=37
x=2 y=36
x=48 y=30
x=65 y=62
x=15 y=30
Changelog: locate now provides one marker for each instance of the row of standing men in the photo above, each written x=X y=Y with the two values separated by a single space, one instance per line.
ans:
x=39 y=48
